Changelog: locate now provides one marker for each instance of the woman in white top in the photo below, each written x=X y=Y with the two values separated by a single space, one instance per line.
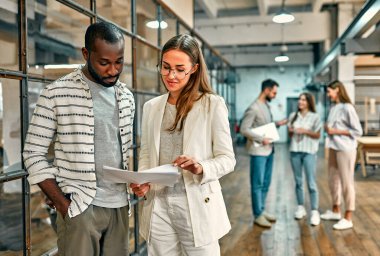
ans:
x=343 y=127
x=189 y=128
x=304 y=130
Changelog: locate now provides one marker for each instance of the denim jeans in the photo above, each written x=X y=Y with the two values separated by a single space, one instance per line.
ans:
x=261 y=175
x=300 y=160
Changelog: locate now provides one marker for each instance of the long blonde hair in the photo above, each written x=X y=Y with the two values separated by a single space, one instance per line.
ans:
x=342 y=93
x=198 y=84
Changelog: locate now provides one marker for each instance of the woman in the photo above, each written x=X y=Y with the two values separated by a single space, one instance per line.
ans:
x=343 y=127
x=189 y=128
x=304 y=130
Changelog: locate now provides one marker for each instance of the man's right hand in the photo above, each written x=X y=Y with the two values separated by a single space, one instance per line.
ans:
x=266 y=141
x=63 y=207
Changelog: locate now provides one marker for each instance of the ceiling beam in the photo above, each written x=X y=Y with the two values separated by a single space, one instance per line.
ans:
x=210 y=7
x=251 y=30
x=317 y=5
x=367 y=17
x=263 y=7
x=267 y=59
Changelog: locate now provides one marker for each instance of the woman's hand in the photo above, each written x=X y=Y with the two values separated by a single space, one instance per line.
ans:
x=140 y=189
x=300 y=131
x=329 y=130
x=188 y=163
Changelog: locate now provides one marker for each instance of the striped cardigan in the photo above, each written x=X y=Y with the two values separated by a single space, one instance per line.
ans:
x=64 y=116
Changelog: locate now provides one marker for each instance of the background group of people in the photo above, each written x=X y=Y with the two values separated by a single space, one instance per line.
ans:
x=304 y=127
x=88 y=116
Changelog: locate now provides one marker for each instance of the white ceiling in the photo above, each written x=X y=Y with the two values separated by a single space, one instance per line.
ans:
x=238 y=24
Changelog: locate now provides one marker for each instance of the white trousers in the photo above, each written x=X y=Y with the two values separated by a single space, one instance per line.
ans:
x=171 y=231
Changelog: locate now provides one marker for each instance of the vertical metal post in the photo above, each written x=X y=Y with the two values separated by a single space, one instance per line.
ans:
x=23 y=66
x=159 y=41
x=93 y=8
x=134 y=86
x=177 y=28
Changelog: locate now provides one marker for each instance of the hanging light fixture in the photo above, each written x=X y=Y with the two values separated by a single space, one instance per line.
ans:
x=155 y=24
x=282 y=57
x=283 y=16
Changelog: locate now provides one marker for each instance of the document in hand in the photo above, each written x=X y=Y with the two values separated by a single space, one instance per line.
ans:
x=267 y=131
x=164 y=175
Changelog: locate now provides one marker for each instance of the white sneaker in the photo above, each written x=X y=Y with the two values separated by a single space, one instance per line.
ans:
x=269 y=217
x=343 y=224
x=315 y=219
x=300 y=212
x=329 y=215
x=262 y=221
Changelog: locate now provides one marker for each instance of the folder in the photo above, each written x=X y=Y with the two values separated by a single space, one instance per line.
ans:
x=266 y=131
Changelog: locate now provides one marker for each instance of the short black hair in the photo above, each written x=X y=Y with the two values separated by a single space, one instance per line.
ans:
x=268 y=83
x=102 y=30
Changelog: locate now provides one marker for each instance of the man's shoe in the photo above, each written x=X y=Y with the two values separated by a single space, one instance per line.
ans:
x=300 y=212
x=262 y=221
x=270 y=217
x=315 y=219
x=329 y=215
x=343 y=224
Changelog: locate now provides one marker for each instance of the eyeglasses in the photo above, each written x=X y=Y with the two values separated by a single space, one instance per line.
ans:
x=165 y=71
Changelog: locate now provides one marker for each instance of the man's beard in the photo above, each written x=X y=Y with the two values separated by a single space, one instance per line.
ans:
x=268 y=98
x=99 y=79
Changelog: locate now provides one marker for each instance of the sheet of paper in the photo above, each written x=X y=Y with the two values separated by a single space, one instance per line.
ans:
x=267 y=131
x=164 y=175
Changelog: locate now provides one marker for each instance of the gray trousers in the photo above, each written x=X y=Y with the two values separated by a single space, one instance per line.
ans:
x=96 y=231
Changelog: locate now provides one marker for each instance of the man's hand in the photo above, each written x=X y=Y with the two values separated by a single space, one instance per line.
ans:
x=281 y=122
x=266 y=141
x=188 y=163
x=140 y=189
x=63 y=207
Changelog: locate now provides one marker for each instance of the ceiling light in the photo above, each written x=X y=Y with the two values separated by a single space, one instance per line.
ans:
x=281 y=58
x=283 y=17
x=62 y=66
x=154 y=24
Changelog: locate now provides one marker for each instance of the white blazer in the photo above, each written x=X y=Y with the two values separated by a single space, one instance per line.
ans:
x=207 y=138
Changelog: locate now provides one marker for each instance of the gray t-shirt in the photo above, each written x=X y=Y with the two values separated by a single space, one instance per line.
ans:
x=107 y=146
x=171 y=144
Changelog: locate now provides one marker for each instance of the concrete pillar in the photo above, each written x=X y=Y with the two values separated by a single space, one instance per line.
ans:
x=346 y=64
x=346 y=72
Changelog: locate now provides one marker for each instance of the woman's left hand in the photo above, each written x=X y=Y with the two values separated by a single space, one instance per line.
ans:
x=188 y=163
x=330 y=131
x=300 y=131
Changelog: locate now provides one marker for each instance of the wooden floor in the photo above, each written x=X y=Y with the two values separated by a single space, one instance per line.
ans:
x=288 y=236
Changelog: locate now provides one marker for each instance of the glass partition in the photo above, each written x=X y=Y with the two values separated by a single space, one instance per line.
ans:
x=11 y=224
x=10 y=134
x=9 y=36
x=116 y=11
x=126 y=76
x=147 y=75
x=147 y=24
x=170 y=28
x=55 y=43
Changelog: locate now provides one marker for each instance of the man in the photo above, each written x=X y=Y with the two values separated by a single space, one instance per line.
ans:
x=88 y=115
x=258 y=114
